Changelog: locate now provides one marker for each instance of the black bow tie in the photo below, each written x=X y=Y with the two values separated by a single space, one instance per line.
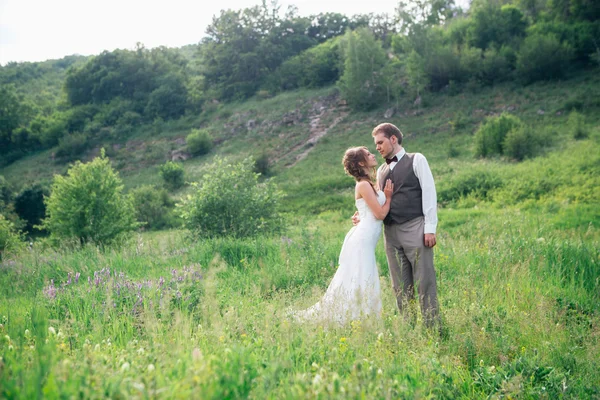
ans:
x=391 y=160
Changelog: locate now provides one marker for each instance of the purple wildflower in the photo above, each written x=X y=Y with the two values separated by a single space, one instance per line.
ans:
x=50 y=291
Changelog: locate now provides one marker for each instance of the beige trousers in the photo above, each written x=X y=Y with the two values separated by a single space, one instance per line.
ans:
x=411 y=267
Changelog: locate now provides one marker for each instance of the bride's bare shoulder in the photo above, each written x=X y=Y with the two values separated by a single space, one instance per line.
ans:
x=362 y=188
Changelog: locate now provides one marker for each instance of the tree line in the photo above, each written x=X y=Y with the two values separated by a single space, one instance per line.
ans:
x=425 y=46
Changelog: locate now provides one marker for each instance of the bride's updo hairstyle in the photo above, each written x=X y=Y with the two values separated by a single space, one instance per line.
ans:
x=353 y=157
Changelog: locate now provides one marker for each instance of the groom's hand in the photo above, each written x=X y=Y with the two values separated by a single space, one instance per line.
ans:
x=355 y=219
x=429 y=239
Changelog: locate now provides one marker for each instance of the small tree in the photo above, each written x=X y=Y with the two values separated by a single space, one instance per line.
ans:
x=199 y=142
x=231 y=202
x=10 y=239
x=489 y=138
x=520 y=143
x=88 y=204
x=172 y=174
x=362 y=83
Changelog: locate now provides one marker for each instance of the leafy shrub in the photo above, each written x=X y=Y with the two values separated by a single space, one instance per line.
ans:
x=88 y=204
x=543 y=57
x=10 y=239
x=473 y=183
x=361 y=83
x=169 y=100
x=520 y=143
x=172 y=175
x=577 y=127
x=71 y=146
x=261 y=164
x=231 y=202
x=153 y=207
x=443 y=66
x=496 y=65
x=581 y=36
x=54 y=129
x=30 y=206
x=78 y=117
x=130 y=118
x=493 y=24
x=199 y=142
x=315 y=67
x=489 y=138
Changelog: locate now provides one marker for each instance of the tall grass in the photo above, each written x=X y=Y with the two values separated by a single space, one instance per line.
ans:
x=519 y=302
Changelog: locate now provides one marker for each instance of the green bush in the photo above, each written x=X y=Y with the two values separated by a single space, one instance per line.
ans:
x=581 y=36
x=543 y=57
x=88 y=204
x=577 y=127
x=497 y=65
x=199 y=142
x=71 y=146
x=443 y=66
x=489 y=138
x=261 y=164
x=30 y=206
x=230 y=201
x=470 y=183
x=520 y=143
x=316 y=67
x=153 y=207
x=492 y=24
x=172 y=175
x=11 y=240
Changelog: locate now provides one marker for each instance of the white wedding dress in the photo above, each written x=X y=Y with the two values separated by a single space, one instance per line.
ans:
x=354 y=291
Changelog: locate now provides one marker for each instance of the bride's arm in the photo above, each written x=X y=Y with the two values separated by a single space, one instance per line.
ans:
x=365 y=191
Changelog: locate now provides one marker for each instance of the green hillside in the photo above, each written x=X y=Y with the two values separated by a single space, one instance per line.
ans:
x=283 y=128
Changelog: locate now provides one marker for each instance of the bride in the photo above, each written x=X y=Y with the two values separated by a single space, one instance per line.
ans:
x=354 y=291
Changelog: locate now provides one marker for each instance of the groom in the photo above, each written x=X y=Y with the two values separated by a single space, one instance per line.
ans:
x=409 y=228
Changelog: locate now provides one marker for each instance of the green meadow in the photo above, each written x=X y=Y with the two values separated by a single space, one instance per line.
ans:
x=163 y=316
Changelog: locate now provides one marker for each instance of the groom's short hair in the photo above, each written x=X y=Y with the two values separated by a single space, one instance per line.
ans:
x=388 y=130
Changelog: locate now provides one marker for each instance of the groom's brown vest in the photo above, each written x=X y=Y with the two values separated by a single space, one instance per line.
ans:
x=407 y=198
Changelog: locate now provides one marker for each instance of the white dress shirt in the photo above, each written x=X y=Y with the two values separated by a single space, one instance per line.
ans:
x=423 y=173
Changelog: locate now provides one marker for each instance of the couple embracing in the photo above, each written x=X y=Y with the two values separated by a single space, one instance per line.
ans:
x=400 y=196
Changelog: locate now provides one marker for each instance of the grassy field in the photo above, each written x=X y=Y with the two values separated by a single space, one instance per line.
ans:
x=162 y=316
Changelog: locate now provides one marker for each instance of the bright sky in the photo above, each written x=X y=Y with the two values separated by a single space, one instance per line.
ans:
x=37 y=30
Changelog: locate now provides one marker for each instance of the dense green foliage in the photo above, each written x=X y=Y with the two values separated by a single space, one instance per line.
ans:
x=153 y=207
x=30 y=206
x=361 y=83
x=231 y=202
x=173 y=175
x=88 y=204
x=199 y=142
x=425 y=47
x=11 y=240
x=490 y=137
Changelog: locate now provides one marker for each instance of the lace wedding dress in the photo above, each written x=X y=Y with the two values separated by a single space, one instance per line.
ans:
x=354 y=291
